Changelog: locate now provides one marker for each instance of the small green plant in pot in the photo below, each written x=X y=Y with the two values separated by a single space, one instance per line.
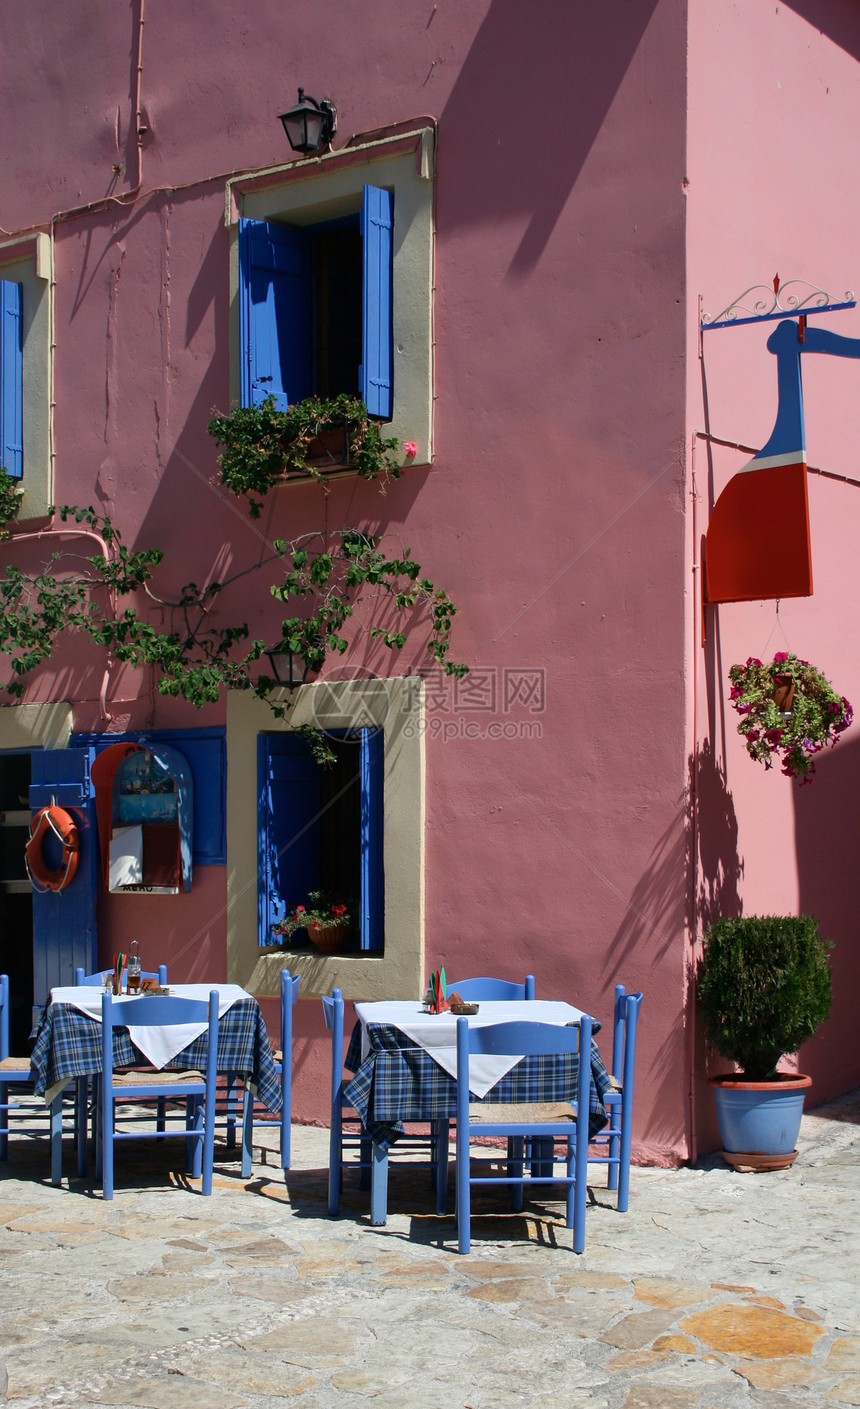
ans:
x=764 y=987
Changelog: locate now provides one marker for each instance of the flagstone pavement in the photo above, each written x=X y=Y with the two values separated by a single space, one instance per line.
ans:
x=717 y=1290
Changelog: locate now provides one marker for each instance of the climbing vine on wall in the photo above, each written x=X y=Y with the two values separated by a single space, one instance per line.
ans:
x=327 y=579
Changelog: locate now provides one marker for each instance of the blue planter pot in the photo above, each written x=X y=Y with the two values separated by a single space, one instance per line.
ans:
x=760 y=1120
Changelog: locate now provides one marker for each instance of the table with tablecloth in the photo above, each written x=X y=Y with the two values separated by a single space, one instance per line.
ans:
x=69 y=1043
x=397 y=1080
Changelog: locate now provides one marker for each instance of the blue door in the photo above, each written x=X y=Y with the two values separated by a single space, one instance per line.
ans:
x=64 y=922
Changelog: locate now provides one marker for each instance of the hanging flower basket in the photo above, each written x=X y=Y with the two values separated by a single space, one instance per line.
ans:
x=789 y=711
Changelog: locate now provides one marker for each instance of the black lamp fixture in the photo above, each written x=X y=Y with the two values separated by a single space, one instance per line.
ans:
x=288 y=667
x=310 y=125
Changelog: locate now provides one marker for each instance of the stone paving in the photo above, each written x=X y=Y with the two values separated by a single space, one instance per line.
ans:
x=717 y=1290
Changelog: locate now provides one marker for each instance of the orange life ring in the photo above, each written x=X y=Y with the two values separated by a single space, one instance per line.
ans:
x=52 y=819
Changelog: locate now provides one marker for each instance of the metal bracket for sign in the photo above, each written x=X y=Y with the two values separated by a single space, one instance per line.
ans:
x=777 y=302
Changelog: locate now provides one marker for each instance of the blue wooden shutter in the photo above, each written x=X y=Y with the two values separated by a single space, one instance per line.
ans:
x=274 y=313
x=372 y=870
x=64 y=922
x=377 y=228
x=11 y=378
x=288 y=827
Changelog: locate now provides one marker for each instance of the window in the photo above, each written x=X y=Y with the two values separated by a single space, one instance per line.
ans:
x=321 y=828
x=25 y=288
x=332 y=278
x=316 y=307
x=387 y=841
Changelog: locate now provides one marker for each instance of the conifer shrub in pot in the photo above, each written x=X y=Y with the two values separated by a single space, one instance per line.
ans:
x=764 y=987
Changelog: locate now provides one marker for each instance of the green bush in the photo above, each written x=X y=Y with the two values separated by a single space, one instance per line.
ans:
x=763 y=988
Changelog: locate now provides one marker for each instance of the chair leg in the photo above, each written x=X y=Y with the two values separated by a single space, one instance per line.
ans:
x=443 y=1136
x=247 y=1132
x=624 y=1156
x=515 y=1171
x=613 y=1135
x=4 y=1107
x=335 y=1164
x=105 y=1151
x=231 y=1112
x=57 y=1140
x=194 y=1143
x=286 y=1113
x=207 y=1147
x=464 y=1211
x=81 y=1122
x=365 y=1156
x=379 y=1186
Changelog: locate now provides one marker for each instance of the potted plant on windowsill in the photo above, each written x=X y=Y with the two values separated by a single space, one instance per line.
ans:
x=328 y=922
x=764 y=987
x=788 y=710
x=263 y=446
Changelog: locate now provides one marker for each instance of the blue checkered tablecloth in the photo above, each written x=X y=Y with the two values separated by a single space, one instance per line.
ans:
x=69 y=1043
x=398 y=1081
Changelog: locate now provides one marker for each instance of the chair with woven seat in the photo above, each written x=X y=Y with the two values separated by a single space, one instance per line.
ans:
x=18 y=1115
x=142 y=1086
x=283 y=1058
x=548 y=1121
x=85 y=980
x=617 y=1138
x=478 y=990
x=493 y=990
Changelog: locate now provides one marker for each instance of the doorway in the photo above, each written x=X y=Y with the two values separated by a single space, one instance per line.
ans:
x=16 y=895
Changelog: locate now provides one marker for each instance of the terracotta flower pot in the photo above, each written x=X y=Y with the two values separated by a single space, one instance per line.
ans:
x=328 y=938
x=783 y=697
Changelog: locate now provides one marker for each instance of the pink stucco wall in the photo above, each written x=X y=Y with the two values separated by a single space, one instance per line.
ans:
x=558 y=510
x=774 y=93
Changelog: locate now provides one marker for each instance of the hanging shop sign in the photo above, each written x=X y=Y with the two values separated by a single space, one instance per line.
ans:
x=144 y=806
x=757 y=544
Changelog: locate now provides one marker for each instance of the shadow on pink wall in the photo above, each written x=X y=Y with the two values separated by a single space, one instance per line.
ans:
x=827 y=835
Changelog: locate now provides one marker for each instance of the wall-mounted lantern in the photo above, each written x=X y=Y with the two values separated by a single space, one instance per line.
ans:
x=310 y=125
x=288 y=667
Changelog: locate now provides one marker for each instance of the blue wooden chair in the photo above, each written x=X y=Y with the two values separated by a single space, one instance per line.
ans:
x=85 y=980
x=552 y=1120
x=477 y=990
x=493 y=990
x=136 y=1087
x=284 y=1066
x=372 y=1162
x=20 y=1107
x=616 y=1139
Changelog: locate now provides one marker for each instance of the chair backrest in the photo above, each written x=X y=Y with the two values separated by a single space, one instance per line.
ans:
x=83 y=980
x=626 y=1016
x=493 y=990
x=4 y=1016
x=159 y=1011
x=513 y=1039
x=333 y=1014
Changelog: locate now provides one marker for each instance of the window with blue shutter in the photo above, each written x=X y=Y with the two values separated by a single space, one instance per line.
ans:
x=11 y=378
x=321 y=829
x=377 y=225
x=316 y=307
